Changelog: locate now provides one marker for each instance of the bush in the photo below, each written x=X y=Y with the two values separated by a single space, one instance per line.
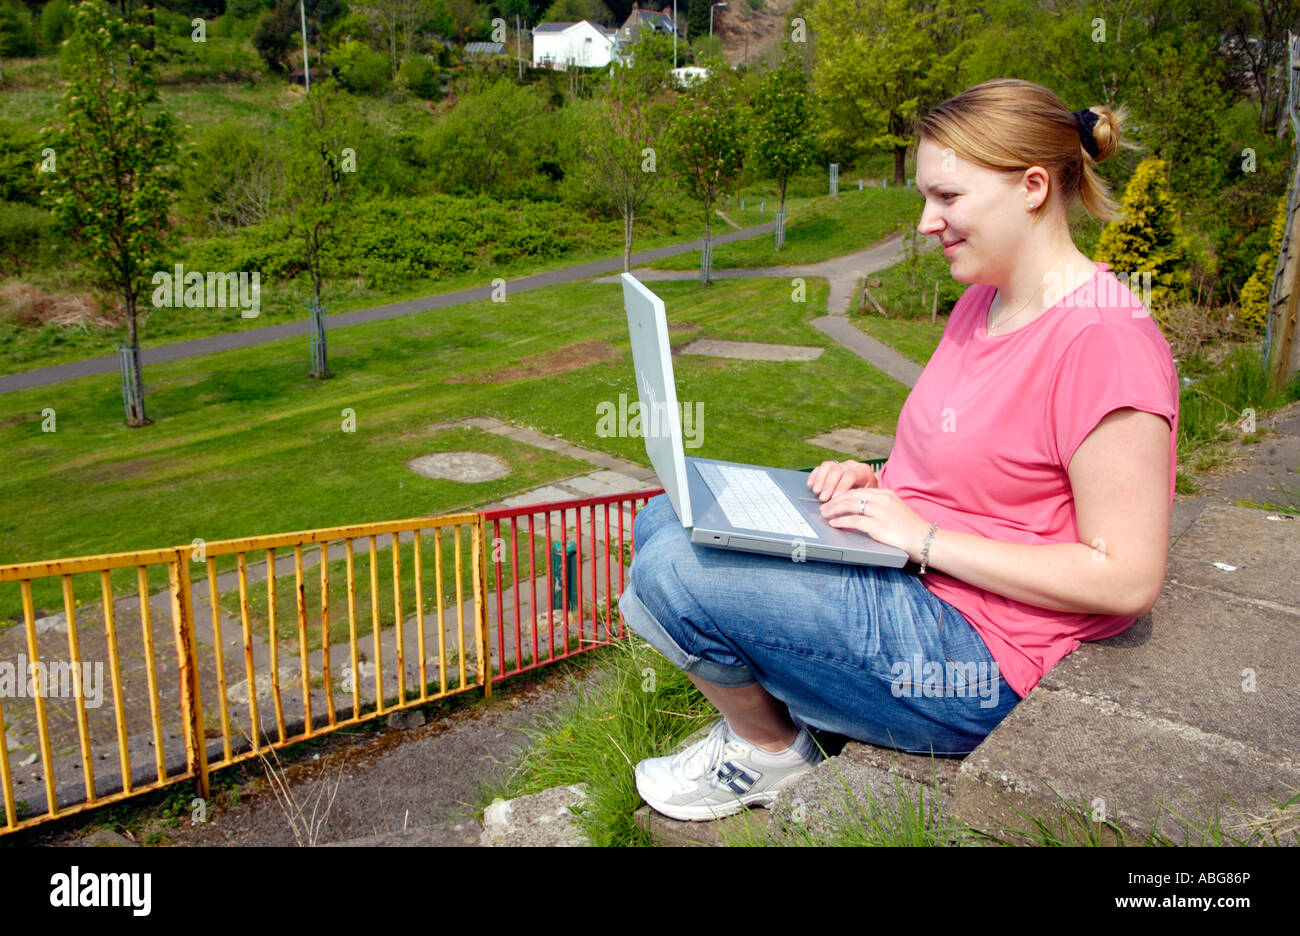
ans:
x=362 y=70
x=231 y=178
x=56 y=23
x=1259 y=288
x=26 y=236
x=20 y=153
x=489 y=143
x=420 y=76
x=390 y=241
x=17 y=30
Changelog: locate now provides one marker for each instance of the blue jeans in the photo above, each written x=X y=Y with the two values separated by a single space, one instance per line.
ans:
x=863 y=651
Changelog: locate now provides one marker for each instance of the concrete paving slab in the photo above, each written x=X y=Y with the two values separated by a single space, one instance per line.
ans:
x=1191 y=709
x=753 y=350
x=1245 y=539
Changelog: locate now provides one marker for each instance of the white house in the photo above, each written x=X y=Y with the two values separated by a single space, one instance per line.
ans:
x=688 y=74
x=559 y=45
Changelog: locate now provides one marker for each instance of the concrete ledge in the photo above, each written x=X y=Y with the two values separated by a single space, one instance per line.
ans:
x=1191 y=710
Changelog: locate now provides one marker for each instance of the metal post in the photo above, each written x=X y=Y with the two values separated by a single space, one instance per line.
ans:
x=196 y=744
x=306 y=65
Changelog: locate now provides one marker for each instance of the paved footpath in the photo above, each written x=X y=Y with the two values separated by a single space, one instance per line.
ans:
x=108 y=364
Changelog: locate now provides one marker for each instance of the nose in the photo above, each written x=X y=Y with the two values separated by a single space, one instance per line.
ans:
x=931 y=222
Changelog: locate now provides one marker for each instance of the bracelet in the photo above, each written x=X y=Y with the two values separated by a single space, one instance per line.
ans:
x=925 y=553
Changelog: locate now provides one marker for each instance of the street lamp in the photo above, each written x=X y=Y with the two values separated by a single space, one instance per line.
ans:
x=723 y=5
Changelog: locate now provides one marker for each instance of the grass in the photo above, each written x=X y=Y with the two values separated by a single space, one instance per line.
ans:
x=244 y=442
x=644 y=708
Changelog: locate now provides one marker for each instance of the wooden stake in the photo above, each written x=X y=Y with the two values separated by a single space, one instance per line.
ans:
x=866 y=292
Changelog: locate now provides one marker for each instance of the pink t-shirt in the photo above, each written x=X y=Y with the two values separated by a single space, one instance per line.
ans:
x=986 y=435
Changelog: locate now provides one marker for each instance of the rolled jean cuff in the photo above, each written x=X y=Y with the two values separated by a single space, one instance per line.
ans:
x=640 y=619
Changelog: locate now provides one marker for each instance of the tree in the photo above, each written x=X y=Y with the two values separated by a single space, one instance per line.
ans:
x=1149 y=238
x=487 y=144
x=112 y=179
x=782 y=133
x=398 y=20
x=706 y=143
x=618 y=160
x=574 y=11
x=276 y=35
x=317 y=189
x=879 y=63
x=1255 y=34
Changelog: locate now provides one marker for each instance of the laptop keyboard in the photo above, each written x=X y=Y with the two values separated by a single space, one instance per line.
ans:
x=751 y=499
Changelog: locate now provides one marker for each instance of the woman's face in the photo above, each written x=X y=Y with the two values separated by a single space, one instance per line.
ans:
x=979 y=215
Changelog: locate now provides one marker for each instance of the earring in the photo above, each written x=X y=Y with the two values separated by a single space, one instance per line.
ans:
x=1029 y=204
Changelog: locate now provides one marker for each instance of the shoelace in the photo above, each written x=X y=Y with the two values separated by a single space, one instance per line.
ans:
x=707 y=757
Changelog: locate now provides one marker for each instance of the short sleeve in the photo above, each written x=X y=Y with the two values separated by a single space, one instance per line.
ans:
x=1105 y=368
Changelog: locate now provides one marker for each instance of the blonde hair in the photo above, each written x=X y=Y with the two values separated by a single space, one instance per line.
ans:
x=1008 y=125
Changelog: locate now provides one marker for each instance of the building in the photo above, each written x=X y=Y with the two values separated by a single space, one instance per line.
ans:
x=639 y=19
x=584 y=44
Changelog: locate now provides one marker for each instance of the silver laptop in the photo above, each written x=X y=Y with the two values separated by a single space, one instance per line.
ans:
x=728 y=504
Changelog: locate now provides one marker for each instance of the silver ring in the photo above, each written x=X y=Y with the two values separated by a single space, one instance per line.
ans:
x=862 y=506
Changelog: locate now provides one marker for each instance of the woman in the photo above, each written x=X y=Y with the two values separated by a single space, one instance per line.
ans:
x=1030 y=481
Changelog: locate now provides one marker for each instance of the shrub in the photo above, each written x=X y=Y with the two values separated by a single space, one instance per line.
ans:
x=56 y=23
x=17 y=30
x=231 y=177
x=1259 y=288
x=420 y=76
x=362 y=70
x=1149 y=238
x=25 y=236
x=20 y=152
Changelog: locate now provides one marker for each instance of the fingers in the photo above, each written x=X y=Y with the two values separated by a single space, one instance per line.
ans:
x=831 y=478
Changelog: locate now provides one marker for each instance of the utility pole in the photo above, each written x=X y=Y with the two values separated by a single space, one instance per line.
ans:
x=306 y=66
x=519 y=48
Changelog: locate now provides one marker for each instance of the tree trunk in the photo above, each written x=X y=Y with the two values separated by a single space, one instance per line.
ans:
x=134 y=402
x=707 y=272
x=629 y=219
x=900 y=165
x=320 y=367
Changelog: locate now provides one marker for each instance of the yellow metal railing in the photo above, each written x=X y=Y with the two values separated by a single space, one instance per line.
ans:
x=192 y=701
x=186 y=713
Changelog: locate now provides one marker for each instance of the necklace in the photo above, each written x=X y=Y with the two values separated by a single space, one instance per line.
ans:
x=989 y=327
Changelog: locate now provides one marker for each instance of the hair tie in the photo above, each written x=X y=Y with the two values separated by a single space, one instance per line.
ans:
x=1085 y=120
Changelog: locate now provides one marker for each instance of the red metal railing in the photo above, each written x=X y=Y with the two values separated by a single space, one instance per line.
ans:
x=534 y=643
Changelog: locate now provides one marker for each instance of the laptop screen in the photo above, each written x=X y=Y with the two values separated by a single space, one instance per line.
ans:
x=661 y=424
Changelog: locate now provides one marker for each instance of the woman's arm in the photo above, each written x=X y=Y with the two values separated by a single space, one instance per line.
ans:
x=1120 y=480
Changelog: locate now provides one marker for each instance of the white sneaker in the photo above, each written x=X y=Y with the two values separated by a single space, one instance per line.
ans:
x=716 y=777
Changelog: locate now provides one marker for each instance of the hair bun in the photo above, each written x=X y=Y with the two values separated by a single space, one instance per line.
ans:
x=1106 y=125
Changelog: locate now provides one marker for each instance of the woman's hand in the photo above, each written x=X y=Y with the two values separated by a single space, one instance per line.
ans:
x=884 y=517
x=832 y=477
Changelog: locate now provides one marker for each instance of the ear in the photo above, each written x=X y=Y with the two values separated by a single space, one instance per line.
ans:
x=1037 y=182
